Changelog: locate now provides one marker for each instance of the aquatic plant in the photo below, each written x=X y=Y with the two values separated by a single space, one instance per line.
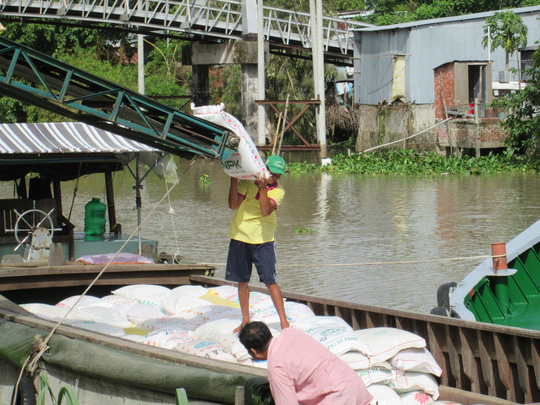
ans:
x=412 y=163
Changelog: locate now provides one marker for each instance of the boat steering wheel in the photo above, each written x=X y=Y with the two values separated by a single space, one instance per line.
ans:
x=32 y=216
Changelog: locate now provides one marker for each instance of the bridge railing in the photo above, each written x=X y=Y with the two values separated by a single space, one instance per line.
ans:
x=212 y=18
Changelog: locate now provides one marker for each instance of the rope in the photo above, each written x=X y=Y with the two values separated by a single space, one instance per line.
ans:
x=176 y=253
x=32 y=364
x=408 y=137
x=450 y=259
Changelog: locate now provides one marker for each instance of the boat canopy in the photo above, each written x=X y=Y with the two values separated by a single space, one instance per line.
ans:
x=63 y=150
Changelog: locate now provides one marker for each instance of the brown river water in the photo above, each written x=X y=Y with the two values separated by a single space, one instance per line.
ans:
x=360 y=227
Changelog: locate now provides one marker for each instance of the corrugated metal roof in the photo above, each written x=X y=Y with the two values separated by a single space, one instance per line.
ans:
x=444 y=20
x=63 y=137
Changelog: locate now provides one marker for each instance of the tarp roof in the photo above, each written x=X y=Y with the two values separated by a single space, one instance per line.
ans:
x=63 y=137
x=62 y=150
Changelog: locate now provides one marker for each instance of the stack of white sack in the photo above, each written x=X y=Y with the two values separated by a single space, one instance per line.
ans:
x=394 y=364
x=246 y=162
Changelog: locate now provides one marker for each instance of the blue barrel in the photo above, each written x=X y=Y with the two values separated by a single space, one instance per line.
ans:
x=94 y=217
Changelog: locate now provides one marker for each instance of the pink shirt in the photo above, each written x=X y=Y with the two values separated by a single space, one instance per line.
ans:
x=300 y=369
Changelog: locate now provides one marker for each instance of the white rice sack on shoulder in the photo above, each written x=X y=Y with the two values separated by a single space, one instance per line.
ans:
x=384 y=343
x=227 y=292
x=55 y=313
x=411 y=381
x=245 y=163
x=168 y=322
x=206 y=348
x=86 y=301
x=108 y=316
x=168 y=338
x=383 y=395
x=105 y=328
x=416 y=398
x=135 y=291
x=176 y=302
x=376 y=375
x=232 y=344
x=338 y=340
x=193 y=290
x=137 y=313
x=317 y=321
x=224 y=326
x=416 y=359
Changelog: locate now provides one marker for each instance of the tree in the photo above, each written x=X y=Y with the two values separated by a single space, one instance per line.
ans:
x=505 y=30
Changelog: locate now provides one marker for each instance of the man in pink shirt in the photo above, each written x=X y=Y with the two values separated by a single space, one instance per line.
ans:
x=301 y=370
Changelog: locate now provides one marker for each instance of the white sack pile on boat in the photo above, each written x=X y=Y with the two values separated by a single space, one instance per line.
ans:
x=394 y=364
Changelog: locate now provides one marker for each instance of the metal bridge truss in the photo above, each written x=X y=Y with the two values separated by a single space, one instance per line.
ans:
x=287 y=29
x=35 y=78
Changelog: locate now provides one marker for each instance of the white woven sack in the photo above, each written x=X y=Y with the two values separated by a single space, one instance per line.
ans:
x=54 y=313
x=231 y=342
x=356 y=360
x=153 y=300
x=384 y=343
x=297 y=312
x=176 y=302
x=338 y=340
x=376 y=375
x=87 y=300
x=108 y=316
x=383 y=395
x=206 y=348
x=100 y=327
x=193 y=290
x=168 y=338
x=246 y=162
x=135 y=291
x=416 y=359
x=416 y=398
x=137 y=313
x=168 y=322
x=114 y=300
x=317 y=321
x=223 y=326
x=227 y=292
x=208 y=313
x=411 y=381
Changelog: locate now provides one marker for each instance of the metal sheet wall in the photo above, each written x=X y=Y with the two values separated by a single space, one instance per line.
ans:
x=426 y=45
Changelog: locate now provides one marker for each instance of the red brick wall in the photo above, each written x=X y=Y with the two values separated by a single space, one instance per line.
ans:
x=444 y=87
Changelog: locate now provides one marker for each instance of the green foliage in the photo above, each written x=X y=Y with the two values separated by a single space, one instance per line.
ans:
x=522 y=122
x=204 y=180
x=505 y=30
x=66 y=393
x=225 y=84
x=408 y=162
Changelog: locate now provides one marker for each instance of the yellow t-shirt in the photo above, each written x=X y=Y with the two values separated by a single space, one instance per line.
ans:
x=248 y=225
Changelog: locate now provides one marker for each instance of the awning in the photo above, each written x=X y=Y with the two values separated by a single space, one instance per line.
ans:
x=63 y=137
x=63 y=150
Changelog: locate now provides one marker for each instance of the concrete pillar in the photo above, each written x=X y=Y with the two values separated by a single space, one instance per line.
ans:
x=201 y=92
x=250 y=91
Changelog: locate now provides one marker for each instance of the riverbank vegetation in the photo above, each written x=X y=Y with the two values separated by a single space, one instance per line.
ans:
x=409 y=162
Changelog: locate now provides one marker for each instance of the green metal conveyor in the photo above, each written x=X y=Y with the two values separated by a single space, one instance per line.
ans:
x=35 y=78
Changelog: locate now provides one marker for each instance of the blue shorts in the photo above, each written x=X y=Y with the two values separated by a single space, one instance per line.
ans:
x=243 y=255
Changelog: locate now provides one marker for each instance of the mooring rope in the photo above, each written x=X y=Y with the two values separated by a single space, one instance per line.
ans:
x=448 y=259
x=31 y=361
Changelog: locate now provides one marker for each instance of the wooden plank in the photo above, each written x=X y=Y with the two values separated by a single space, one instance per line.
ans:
x=521 y=350
x=470 y=367
x=485 y=346
x=503 y=365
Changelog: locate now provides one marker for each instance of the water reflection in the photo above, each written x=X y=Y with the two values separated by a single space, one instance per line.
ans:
x=354 y=221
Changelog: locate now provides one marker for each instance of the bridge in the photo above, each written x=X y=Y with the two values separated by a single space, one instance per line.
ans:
x=288 y=32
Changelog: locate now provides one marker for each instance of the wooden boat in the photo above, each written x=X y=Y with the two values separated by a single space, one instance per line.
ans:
x=504 y=290
x=482 y=363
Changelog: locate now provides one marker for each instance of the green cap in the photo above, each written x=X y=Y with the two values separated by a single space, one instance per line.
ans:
x=276 y=164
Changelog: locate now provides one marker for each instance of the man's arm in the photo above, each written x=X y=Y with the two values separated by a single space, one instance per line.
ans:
x=283 y=392
x=267 y=205
x=235 y=199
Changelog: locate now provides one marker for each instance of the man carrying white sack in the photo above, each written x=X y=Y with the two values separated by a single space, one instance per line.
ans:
x=252 y=235
x=300 y=369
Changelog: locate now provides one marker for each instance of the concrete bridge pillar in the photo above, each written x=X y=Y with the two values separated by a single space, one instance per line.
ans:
x=244 y=53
